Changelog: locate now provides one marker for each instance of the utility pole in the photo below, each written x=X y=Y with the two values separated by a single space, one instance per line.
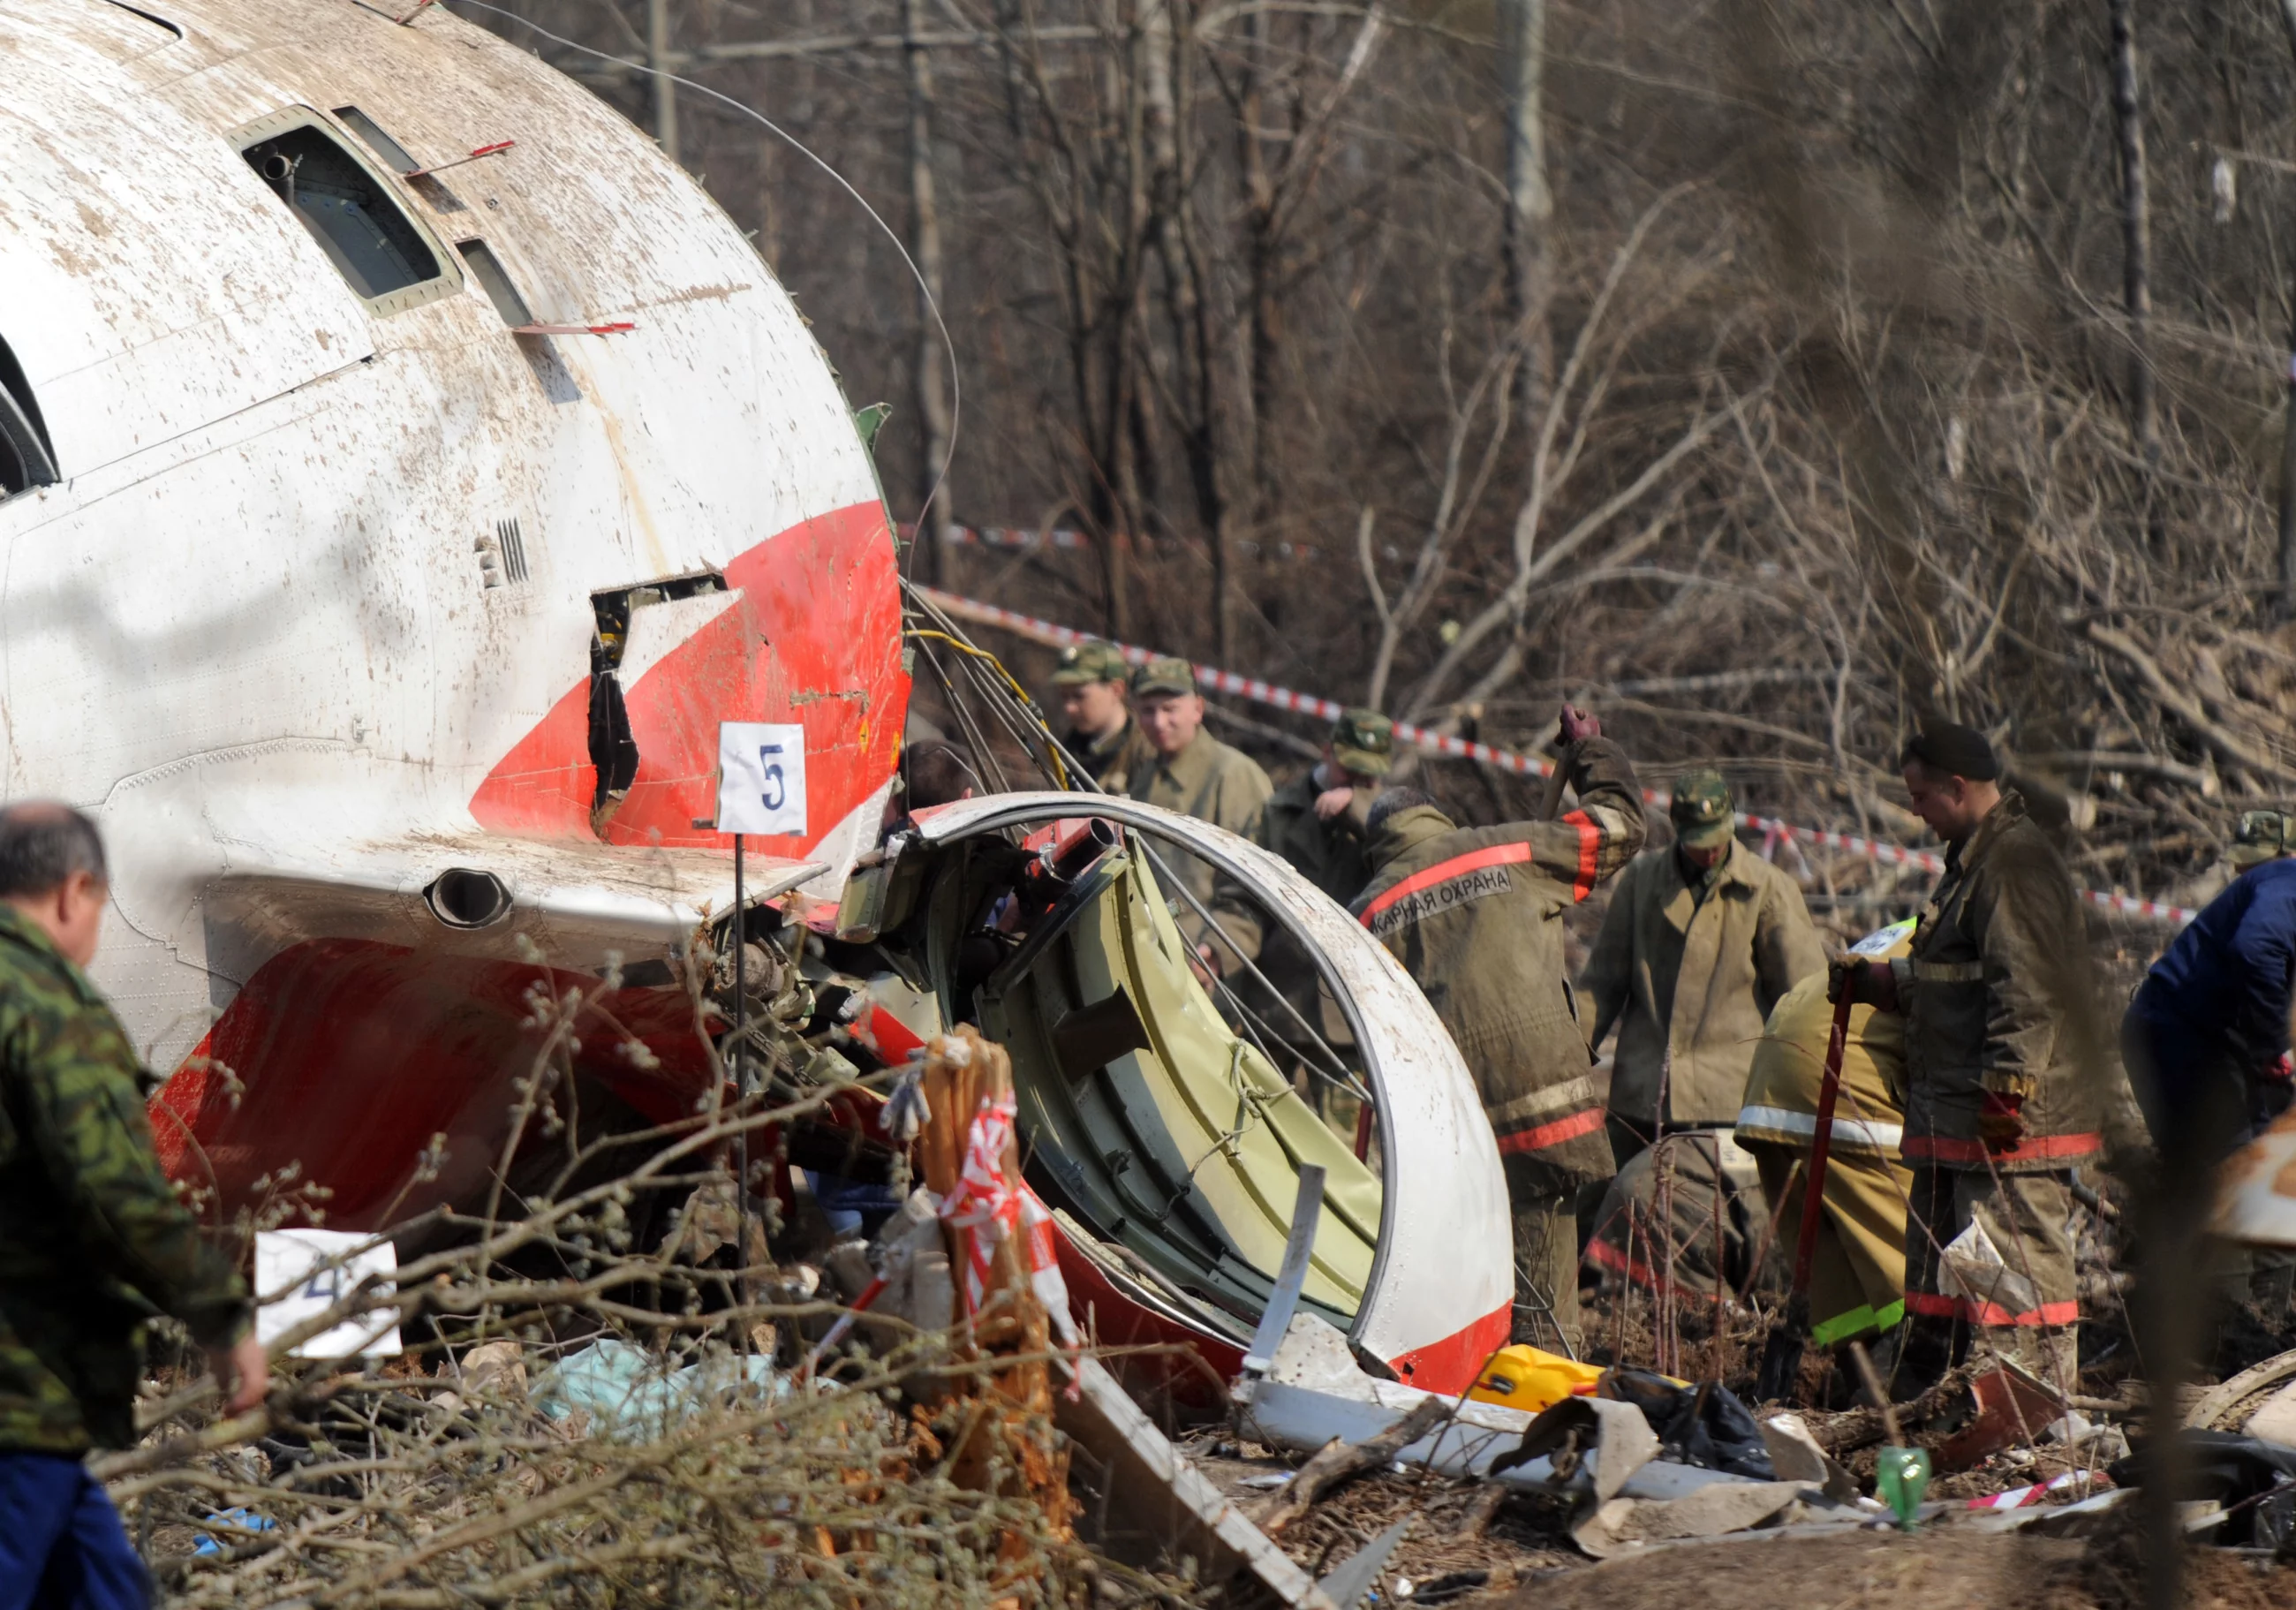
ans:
x=665 y=92
x=933 y=423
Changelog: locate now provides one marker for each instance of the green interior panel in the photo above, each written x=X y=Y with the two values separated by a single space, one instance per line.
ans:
x=1184 y=1149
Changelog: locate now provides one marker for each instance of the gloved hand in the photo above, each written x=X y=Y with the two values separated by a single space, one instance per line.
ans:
x=1576 y=726
x=1870 y=983
x=2001 y=1120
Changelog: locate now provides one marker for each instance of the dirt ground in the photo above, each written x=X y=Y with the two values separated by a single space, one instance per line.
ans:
x=1470 y=1547
x=1521 y=1558
x=1942 y=1570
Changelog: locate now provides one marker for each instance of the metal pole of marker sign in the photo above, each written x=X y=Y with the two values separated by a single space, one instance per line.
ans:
x=760 y=789
x=740 y=1082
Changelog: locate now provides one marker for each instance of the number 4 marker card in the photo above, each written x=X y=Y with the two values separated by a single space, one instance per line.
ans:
x=760 y=776
x=301 y=1274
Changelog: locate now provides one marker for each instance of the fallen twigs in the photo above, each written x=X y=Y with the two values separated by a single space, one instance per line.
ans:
x=1339 y=1462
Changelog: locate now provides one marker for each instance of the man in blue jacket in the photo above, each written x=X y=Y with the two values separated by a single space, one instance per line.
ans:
x=2206 y=1037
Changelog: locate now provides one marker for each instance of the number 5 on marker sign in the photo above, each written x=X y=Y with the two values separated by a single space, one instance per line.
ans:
x=760 y=776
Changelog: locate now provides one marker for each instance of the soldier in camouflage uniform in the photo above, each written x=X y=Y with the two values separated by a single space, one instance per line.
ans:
x=1101 y=732
x=1473 y=914
x=1316 y=822
x=1193 y=773
x=92 y=1240
x=2000 y=1106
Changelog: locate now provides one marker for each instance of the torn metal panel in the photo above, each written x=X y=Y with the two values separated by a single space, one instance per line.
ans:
x=2256 y=1190
x=1315 y=1393
x=1437 y=1297
x=1160 y=1507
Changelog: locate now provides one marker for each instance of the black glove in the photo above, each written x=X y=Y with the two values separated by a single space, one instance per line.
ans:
x=1845 y=972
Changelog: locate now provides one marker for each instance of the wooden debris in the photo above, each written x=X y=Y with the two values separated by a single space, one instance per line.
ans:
x=998 y=1429
x=1339 y=1462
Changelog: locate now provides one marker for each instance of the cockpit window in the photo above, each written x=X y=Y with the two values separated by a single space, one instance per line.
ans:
x=389 y=150
x=25 y=458
x=488 y=270
x=349 y=210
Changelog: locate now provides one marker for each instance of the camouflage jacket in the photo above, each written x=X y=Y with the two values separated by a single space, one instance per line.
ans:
x=1999 y=970
x=1474 y=914
x=92 y=1240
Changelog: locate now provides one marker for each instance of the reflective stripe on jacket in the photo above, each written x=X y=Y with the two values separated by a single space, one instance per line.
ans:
x=1786 y=1081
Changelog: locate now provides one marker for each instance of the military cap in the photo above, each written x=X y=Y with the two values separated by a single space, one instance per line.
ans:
x=1091 y=661
x=1363 y=741
x=1702 y=810
x=2261 y=837
x=1165 y=674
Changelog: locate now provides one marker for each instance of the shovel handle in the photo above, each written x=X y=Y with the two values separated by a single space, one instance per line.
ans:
x=1551 y=798
x=1821 y=1144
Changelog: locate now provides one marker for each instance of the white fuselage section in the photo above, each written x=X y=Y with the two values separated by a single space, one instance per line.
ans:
x=313 y=568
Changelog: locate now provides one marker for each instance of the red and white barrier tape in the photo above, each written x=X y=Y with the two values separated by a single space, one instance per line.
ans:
x=988 y=1207
x=1529 y=766
x=2018 y=1498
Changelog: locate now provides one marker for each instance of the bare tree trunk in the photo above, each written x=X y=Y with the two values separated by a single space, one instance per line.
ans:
x=665 y=92
x=1257 y=355
x=1530 y=204
x=933 y=422
x=1195 y=396
x=2288 y=431
x=2136 y=236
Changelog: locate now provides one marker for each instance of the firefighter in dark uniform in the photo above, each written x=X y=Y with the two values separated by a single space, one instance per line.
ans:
x=2002 y=1104
x=1472 y=914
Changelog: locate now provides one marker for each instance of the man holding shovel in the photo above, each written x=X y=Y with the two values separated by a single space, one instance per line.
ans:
x=2000 y=1105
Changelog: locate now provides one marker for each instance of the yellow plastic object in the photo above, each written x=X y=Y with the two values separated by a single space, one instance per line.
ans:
x=1531 y=1378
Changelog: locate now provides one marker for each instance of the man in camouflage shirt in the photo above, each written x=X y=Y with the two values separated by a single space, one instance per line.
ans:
x=1101 y=732
x=92 y=1240
x=1474 y=914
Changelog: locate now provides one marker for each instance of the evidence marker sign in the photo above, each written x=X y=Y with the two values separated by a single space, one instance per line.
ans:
x=761 y=778
x=301 y=1275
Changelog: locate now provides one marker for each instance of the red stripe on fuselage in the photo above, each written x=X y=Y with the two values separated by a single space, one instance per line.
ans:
x=1930 y=1306
x=814 y=637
